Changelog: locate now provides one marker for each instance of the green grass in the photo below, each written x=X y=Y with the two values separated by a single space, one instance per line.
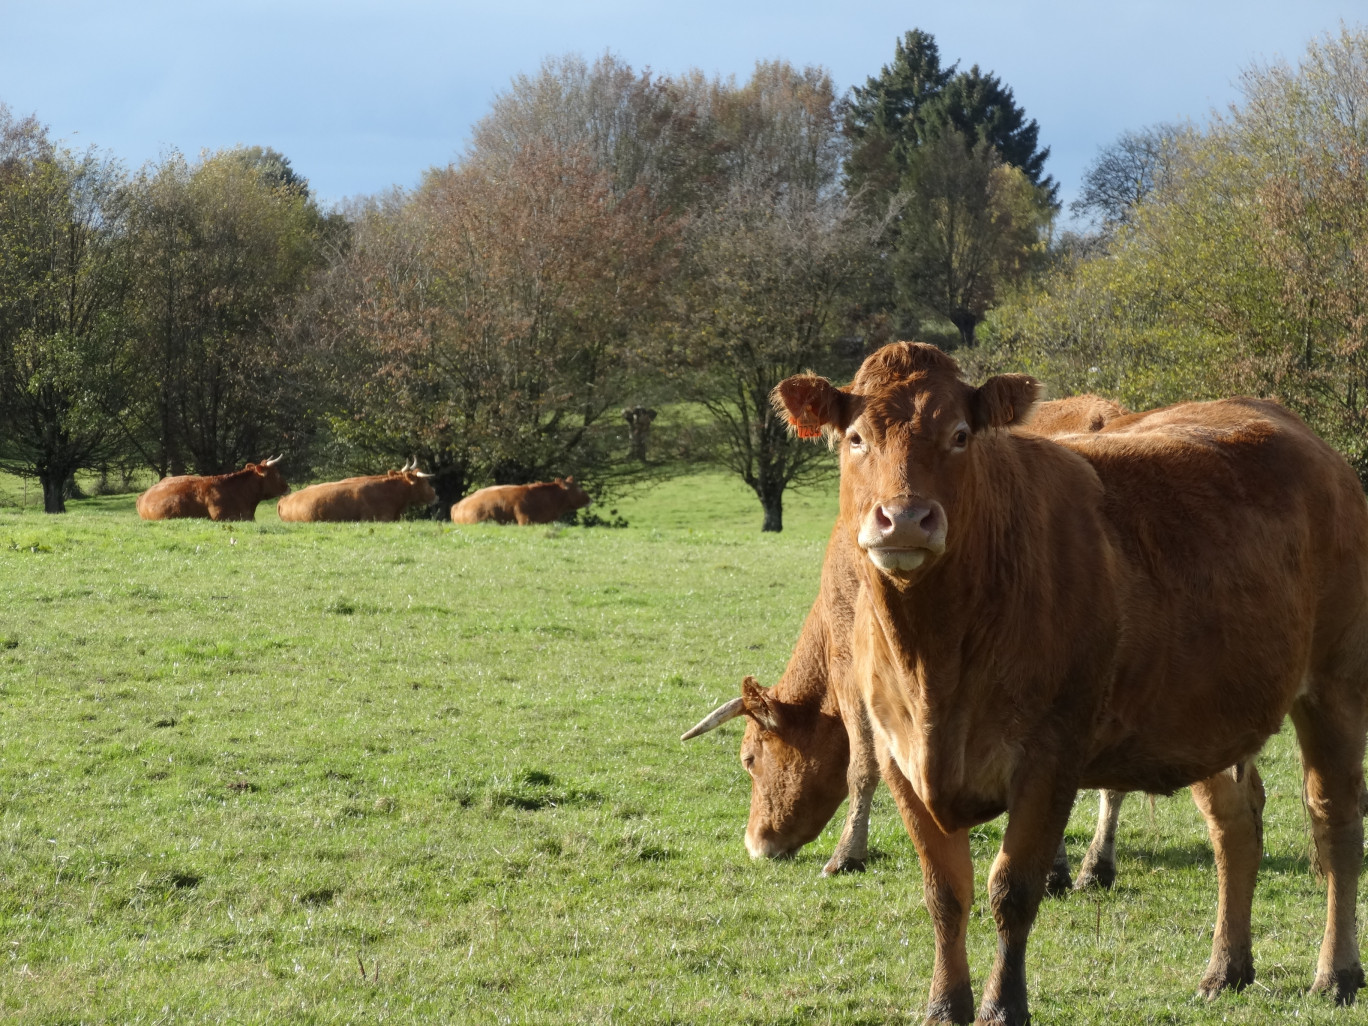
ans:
x=270 y=773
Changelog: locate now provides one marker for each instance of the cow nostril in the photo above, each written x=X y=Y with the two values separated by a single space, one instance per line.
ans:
x=882 y=520
x=930 y=521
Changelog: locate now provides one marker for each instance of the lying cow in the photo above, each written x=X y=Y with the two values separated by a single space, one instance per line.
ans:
x=808 y=742
x=1136 y=608
x=220 y=497
x=524 y=504
x=378 y=497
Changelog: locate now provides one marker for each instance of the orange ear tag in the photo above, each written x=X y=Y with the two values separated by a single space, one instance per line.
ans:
x=806 y=424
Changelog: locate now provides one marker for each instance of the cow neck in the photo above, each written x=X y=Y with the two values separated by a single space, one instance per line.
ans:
x=806 y=682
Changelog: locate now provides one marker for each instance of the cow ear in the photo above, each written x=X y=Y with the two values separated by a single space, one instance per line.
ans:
x=812 y=403
x=1004 y=400
x=755 y=703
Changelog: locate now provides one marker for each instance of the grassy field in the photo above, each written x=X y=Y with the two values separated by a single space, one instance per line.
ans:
x=273 y=773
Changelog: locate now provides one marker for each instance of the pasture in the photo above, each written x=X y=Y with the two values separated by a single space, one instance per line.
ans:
x=332 y=773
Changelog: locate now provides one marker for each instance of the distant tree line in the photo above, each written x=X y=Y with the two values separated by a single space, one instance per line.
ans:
x=613 y=238
x=1224 y=258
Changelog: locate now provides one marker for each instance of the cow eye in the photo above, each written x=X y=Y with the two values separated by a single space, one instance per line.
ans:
x=856 y=442
x=961 y=438
x=748 y=761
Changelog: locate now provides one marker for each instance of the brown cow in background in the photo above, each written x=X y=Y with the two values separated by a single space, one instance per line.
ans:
x=377 y=497
x=1136 y=608
x=808 y=742
x=220 y=497
x=524 y=504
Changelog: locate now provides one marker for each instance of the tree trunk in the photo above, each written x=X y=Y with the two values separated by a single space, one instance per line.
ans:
x=54 y=485
x=772 y=502
x=450 y=485
x=774 y=515
x=966 y=323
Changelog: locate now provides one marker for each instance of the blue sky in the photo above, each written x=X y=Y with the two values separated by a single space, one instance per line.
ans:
x=362 y=96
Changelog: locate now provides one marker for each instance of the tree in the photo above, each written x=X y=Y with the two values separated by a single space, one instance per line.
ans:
x=499 y=310
x=645 y=132
x=982 y=110
x=914 y=100
x=771 y=270
x=1125 y=173
x=1244 y=270
x=68 y=361
x=886 y=119
x=971 y=226
x=223 y=248
x=953 y=246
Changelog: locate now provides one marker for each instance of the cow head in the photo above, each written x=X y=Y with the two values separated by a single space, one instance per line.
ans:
x=907 y=428
x=575 y=496
x=796 y=755
x=421 y=491
x=269 y=478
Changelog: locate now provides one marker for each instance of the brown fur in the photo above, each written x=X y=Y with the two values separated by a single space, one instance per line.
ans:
x=1137 y=608
x=378 y=497
x=524 y=504
x=220 y=497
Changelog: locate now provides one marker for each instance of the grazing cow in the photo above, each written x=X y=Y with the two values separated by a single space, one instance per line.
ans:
x=808 y=742
x=378 y=497
x=220 y=497
x=525 y=504
x=1136 y=608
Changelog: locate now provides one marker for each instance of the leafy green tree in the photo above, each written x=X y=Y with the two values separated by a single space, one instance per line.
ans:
x=223 y=249
x=68 y=358
x=971 y=226
x=1244 y=270
x=952 y=246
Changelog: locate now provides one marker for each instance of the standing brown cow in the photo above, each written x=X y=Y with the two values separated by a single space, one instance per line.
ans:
x=1136 y=608
x=808 y=742
x=377 y=497
x=524 y=504
x=220 y=497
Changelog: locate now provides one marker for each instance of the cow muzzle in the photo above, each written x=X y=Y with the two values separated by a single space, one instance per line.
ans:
x=900 y=534
x=768 y=847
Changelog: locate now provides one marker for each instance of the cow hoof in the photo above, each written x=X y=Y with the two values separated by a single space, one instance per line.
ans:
x=1058 y=882
x=1098 y=874
x=1001 y=1015
x=1345 y=983
x=1226 y=974
x=844 y=866
x=953 y=1009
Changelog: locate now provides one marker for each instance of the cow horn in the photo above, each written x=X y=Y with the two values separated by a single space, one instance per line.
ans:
x=716 y=718
x=410 y=465
x=272 y=461
x=419 y=473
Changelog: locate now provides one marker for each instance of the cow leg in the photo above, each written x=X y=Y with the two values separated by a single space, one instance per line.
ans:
x=1332 y=771
x=862 y=777
x=1060 y=879
x=1232 y=802
x=1099 y=864
x=1016 y=884
x=948 y=885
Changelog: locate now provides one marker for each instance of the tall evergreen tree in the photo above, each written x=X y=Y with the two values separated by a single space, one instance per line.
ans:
x=885 y=120
x=981 y=108
x=898 y=126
